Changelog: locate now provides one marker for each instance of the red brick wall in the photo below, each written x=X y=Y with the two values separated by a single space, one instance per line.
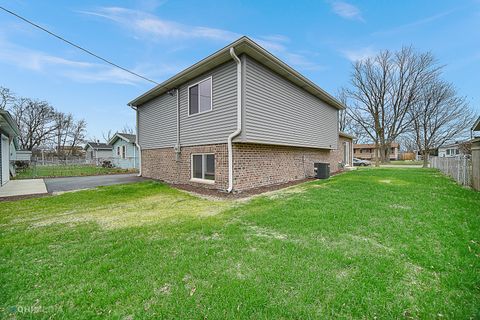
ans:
x=161 y=164
x=254 y=165
x=257 y=165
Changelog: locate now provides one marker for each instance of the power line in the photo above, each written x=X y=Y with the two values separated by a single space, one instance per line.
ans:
x=76 y=45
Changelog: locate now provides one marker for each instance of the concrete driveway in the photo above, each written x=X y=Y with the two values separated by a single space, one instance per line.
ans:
x=56 y=185
x=21 y=188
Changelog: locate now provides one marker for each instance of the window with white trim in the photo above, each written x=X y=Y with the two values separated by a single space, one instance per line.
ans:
x=118 y=150
x=203 y=167
x=124 y=152
x=200 y=97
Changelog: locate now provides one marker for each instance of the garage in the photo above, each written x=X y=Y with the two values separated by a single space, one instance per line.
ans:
x=8 y=133
x=5 y=163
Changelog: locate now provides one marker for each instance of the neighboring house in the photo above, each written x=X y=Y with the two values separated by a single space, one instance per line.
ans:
x=452 y=149
x=124 y=152
x=367 y=151
x=476 y=129
x=9 y=133
x=475 y=149
x=238 y=119
x=97 y=152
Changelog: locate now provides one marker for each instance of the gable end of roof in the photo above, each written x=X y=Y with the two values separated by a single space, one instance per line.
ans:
x=244 y=45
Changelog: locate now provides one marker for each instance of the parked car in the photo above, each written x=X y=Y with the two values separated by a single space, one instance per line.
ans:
x=360 y=162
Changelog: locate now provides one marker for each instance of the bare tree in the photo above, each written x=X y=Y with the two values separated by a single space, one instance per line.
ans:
x=127 y=129
x=345 y=121
x=36 y=120
x=407 y=142
x=385 y=88
x=78 y=134
x=7 y=97
x=63 y=122
x=68 y=134
x=439 y=115
x=107 y=135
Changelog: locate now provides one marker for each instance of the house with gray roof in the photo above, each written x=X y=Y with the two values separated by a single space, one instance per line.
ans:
x=239 y=119
x=97 y=152
x=124 y=150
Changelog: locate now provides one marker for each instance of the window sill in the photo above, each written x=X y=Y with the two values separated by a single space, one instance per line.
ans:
x=199 y=113
x=202 y=181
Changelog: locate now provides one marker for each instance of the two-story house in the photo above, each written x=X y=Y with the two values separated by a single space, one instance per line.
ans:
x=238 y=119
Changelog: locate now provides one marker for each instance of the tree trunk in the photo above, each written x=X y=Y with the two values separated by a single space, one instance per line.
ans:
x=387 y=152
x=377 y=164
x=425 y=158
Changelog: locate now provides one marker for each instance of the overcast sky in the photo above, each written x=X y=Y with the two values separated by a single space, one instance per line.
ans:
x=160 y=38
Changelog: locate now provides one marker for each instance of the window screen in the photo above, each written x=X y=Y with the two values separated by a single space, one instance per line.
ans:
x=193 y=98
x=197 y=166
x=209 y=167
x=200 y=97
x=203 y=166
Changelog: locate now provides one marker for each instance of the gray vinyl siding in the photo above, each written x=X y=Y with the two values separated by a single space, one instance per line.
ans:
x=157 y=122
x=216 y=125
x=157 y=119
x=279 y=112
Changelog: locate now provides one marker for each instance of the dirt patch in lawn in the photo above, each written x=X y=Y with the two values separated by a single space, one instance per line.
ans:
x=218 y=194
x=148 y=210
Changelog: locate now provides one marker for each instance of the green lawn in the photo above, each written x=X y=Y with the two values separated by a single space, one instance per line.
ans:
x=407 y=162
x=40 y=171
x=371 y=243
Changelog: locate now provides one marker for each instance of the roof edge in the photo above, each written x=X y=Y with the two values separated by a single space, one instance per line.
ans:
x=346 y=135
x=13 y=124
x=476 y=125
x=240 y=44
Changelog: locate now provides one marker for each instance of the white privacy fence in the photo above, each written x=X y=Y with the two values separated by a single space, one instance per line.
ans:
x=459 y=168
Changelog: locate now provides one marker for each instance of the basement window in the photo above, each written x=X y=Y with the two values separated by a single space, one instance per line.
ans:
x=200 y=97
x=203 y=168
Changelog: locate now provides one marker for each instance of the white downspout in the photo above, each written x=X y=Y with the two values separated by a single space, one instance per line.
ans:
x=239 y=119
x=137 y=144
x=177 y=146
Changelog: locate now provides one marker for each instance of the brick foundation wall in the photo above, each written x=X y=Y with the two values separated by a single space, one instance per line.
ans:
x=254 y=165
x=257 y=165
x=161 y=164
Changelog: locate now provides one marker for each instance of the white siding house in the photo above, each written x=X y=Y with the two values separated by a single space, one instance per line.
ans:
x=8 y=134
x=124 y=151
x=97 y=152
x=450 y=150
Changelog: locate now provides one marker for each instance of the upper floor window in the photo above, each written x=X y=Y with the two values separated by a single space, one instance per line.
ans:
x=200 y=96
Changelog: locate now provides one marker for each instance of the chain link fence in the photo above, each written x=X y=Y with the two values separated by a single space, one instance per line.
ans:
x=45 y=167
x=459 y=168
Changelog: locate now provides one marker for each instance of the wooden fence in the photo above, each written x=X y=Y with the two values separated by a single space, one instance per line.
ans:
x=459 y=168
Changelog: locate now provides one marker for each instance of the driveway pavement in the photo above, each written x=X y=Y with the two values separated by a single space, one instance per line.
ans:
x=55 y=185
x=20 y=188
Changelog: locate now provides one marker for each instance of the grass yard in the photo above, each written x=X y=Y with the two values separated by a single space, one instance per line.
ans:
x=48 y=171
x=406 y=162
x=371 y=243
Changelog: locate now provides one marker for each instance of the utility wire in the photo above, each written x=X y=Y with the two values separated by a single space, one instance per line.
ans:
x=76 y=45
